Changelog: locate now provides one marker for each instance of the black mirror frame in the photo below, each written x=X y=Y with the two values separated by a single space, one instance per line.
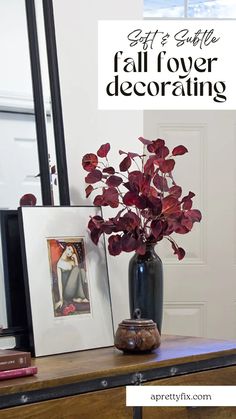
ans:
x=59 y=136
x=39 y=103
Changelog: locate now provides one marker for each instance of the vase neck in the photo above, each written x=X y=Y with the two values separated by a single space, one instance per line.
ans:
x=150 y=250
x=150 y=247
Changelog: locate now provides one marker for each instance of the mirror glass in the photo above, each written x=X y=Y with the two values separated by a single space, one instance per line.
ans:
x=18 y=143
x=19 y=167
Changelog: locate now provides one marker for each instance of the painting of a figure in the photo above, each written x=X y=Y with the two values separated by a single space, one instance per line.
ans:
x=70 y=288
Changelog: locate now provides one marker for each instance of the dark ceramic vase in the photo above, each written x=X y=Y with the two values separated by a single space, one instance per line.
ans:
x=146 y=285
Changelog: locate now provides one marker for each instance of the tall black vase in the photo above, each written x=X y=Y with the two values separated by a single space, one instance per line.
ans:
x=146 y=285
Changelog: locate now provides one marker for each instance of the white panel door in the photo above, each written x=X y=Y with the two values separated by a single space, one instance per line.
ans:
x=200 y=290
x=19 y=159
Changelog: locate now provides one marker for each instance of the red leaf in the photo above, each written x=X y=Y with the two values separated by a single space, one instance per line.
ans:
x=195 y=215
x=103 y=150
x=144 y=141
x=180 y=253
x=166 y=166
x=141 y=202
x=158 y=146
x=163 y=152
x=108 y=227
x=159 y=142
x=98 y=201
x=175 y=191
x=95 y=235
x=147 y=190
x=89 y=162
x=187 y=201
x=95 y=222
x=94 y=227
x=155 y=204
x=28 y=199
x=130 y=187
x=94 y=176
x=181 y=229
x=114 y=181
x=178 y=250
x=135 y=180
x=170 y=204
x=179 y=150
x=128 y=242
x=187 y=222
x=89 y=190
x=131 y=220
x=187 y=205
x=149 y=167
x=151 y=148
x=130 y=198
x=114 y=245
x=156 y=226
x=125 y=164
x=110 y=170
x=189 y=196
x=152 y=192
x=161 y=183
x=160 y=152
x=111 y=197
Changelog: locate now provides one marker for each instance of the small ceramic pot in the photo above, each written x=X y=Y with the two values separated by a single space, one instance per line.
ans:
x=137 y=336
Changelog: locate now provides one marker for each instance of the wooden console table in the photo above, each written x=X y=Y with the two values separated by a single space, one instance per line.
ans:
x=91 y=384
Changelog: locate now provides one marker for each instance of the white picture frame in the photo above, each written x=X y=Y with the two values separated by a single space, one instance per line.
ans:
x=56 y=249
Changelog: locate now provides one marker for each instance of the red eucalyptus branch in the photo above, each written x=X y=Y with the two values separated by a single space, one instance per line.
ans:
x=153 y=204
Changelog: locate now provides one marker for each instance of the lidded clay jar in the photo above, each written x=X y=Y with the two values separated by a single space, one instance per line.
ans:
x=137 y=335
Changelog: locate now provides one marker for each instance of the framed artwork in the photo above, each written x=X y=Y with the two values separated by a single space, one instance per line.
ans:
x=66 y=278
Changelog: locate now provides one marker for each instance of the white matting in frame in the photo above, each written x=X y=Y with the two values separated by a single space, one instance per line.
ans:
x=67 y=280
